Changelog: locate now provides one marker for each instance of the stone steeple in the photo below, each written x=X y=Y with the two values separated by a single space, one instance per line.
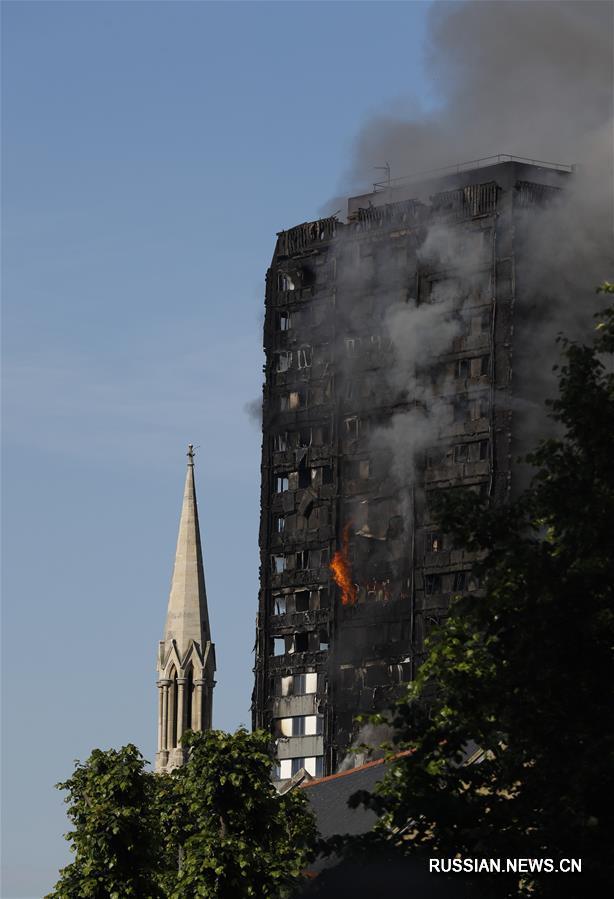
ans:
x=186 y=658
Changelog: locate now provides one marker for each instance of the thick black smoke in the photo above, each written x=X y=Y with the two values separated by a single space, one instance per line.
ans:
x=527 y=78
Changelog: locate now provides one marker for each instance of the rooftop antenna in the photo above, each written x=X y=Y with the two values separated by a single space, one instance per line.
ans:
x=383 y=168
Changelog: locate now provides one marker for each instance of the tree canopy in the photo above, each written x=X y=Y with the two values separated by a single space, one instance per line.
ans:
x=115 y=834
x=215 y=828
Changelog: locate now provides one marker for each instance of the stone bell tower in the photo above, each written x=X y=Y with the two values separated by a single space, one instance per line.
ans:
x=186 y=657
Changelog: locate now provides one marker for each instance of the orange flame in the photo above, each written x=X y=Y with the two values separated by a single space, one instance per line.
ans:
x=342 y=570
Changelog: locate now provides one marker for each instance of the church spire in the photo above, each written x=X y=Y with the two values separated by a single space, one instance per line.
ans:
x=186 y=659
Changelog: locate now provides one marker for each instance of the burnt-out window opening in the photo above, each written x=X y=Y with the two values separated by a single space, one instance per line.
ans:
x=462 y=368
x=349 y=390
x=280 y=524
x=278 y=564
x=321 y=435
x=459 y=410
x=435 y=542
x=279 y=604
x=479 y=366
x=301 y=643
x=347 y=676
x=319 y=598
x=352 y=345
x=376 y=675
x=478 y=408
x=280 y=442
x=432 y=583
x=352 y=427
x=279 y=646
x=358 y=469
x=484 y=321
x=283 y=321
x=301 y=601
x=288 y=402
x=304 y=476
x=483 y=450
x=459 y=580
x=283 y=361
x=281 y=483
x=302 y=559
x=318 y=558
x=304 y=357
x=321 y=476
x=323 y=639
x=461 y=452
x=304 y=437
x=285 y=281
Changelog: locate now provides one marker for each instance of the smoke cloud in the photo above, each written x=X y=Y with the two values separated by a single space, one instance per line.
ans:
x=530 y=79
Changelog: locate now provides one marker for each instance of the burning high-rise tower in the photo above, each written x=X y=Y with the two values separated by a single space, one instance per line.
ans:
x=394 y=368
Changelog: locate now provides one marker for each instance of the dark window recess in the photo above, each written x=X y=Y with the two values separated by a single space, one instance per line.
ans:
x=461 y=451
x=435 y=542
x=462 y=368
x=376 y=675
x=280 y=442
x=485 y=320
x=460 y=408
x=352 y=427
x=301 y=642
x=483 y=450
x=304 y=476
x=323 y=639
x=303 y=438
x=283 y=321
x=302 y=559
x=326 y=475
x=302 y=601
x=304 y=357
x=432 y=583
x=347 y=677
x=459 y=581
x=278 y=564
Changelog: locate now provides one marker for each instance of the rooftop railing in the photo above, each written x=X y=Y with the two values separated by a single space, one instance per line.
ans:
x=467 y=166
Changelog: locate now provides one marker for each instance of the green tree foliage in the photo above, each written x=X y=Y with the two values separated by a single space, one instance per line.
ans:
x=116 y=834
x=214 y=829
x=523 y=667
x=239 y=838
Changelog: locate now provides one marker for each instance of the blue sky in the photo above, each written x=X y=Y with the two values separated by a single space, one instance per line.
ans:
x=150 y=153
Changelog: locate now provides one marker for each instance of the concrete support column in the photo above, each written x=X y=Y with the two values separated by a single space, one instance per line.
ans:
x=181 y=708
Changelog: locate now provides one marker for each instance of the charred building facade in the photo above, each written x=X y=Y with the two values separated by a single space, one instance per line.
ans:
x=390 y=373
